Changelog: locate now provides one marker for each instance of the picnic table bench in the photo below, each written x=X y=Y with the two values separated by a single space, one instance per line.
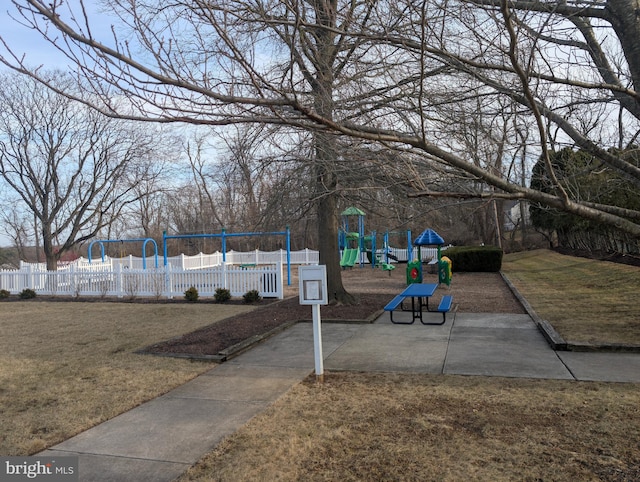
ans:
x=419 y=294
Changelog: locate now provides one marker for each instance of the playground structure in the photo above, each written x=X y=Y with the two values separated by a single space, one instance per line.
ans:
x=222 y=236
x=414 y=269
x=351 y=242
x=359 y=248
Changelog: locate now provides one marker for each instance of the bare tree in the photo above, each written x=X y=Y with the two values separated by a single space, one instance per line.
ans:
x=152 y=179
x=17 y=228
x=384 y=72
x=71 y=167
x=243 y=179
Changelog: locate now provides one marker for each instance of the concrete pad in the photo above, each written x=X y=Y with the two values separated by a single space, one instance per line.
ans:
x=508 y=346
x=606 y=367
x=385 y=347
x=97 y=468
x=293 y=348
x=177 y=430
x=494 y=320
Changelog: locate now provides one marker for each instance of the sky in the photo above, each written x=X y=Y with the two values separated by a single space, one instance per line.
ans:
x=25 y=41
x=38 y=51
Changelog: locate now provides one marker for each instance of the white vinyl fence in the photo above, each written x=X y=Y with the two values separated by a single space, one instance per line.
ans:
x=199 y=261
x=125 y=277
x=101 y=279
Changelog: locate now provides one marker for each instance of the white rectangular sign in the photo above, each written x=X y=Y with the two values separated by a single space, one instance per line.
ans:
x=313 y=285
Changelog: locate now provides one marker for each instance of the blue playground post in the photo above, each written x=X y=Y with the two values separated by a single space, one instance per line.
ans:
x=136 y=240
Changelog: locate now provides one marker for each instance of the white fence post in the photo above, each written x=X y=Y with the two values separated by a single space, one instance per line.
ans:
x=225 y=284
x=167 y=281
x=73 y=282
x=31 y=282
x=119 y=284
x=280 y=281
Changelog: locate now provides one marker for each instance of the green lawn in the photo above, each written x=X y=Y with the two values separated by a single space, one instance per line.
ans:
x=585 y=300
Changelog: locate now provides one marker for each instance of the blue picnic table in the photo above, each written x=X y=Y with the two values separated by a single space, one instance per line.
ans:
x=419 y=294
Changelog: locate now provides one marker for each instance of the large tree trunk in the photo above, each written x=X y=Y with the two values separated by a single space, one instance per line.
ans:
x=326 y=154
x=328 y=232
x=49 y=250
x=326 y=202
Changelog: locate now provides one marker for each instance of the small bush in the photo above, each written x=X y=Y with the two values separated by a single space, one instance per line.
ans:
x=221 y=295
x=4 y=294
x=27 y=294
x=191 y=294
x=251 y=296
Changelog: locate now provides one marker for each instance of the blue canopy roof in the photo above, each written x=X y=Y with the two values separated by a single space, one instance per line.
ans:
x=428 y=237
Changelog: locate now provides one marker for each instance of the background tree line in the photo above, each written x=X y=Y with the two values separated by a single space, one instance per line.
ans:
x=55 y=153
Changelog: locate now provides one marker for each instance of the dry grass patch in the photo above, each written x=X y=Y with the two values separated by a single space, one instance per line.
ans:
x=65 y=367
x=424 y=427
x=585 y=300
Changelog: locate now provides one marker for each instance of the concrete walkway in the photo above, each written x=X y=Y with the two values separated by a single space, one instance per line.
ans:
x=159 y=440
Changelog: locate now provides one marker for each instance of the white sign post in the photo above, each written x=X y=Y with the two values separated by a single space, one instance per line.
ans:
x=313 y=291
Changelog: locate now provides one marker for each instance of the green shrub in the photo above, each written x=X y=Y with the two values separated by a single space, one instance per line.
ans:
x=191 y=294
x=27 y=294
x=221 y=295
x=475 y=258
x=251 y=296
x=4 y=294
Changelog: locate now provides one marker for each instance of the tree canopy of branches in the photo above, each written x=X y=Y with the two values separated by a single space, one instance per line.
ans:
x=71 y=168
x=405 y=76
